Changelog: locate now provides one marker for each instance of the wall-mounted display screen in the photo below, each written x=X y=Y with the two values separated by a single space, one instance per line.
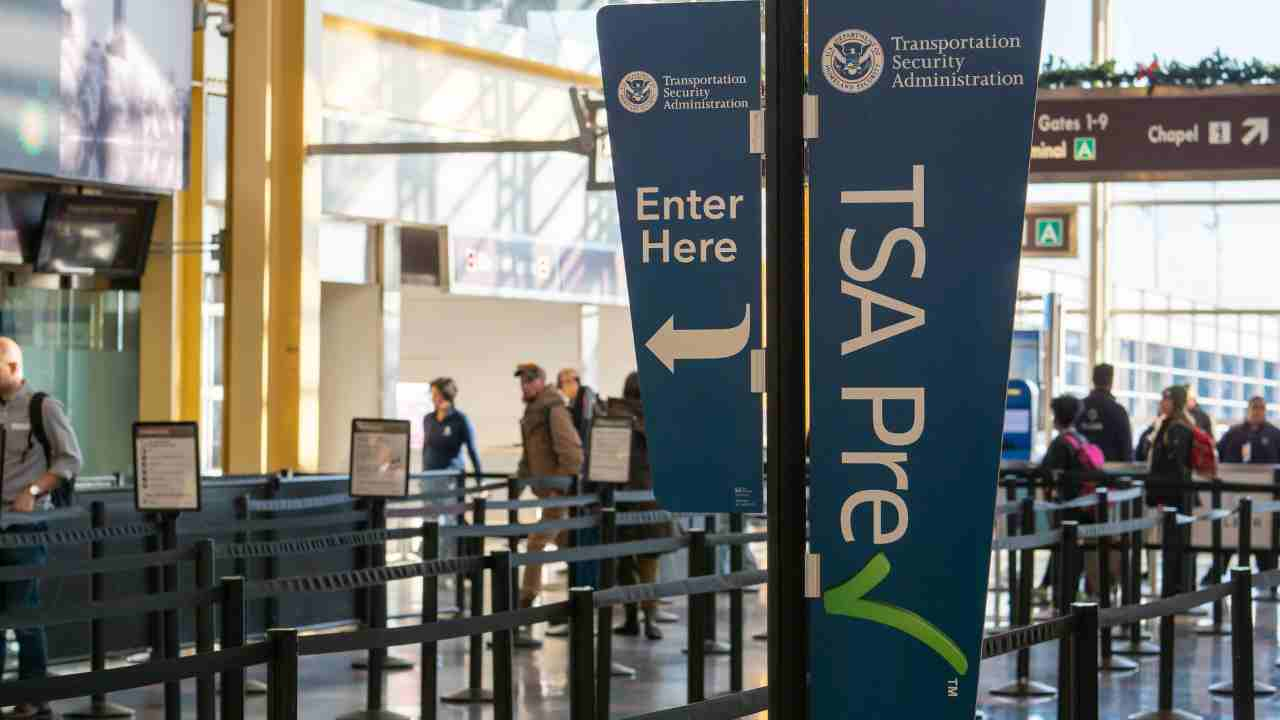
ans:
x=21 y=217
x=96 y=90
x=96 y=235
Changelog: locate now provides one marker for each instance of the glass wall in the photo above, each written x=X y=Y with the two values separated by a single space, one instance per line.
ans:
x=81 y=347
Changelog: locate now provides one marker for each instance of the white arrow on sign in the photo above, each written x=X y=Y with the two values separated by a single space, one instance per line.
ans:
x=670 y=344
x=1258 y=128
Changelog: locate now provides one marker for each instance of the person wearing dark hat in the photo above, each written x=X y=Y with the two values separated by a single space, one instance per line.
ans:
x=1103 y=421
x=551 y=456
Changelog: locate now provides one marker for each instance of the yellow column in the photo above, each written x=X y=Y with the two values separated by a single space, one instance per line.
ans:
x=189 y=264
x=159 y=370
x=272 y=298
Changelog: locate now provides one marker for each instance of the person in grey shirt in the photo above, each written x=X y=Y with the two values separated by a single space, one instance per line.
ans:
x=28 y=478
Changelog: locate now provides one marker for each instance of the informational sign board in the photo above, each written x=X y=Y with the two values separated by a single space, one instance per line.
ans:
x=166 y=467
x=610 y=458
x=379 y=458
x=1050 y=231
x=1215 y=134
x=917 y=189
x=1019 y=421
x=682 y=87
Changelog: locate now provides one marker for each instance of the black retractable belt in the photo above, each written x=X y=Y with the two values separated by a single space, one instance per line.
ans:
x=1023 y=686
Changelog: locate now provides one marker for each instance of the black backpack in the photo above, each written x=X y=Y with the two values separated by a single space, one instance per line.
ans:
x=65 y=494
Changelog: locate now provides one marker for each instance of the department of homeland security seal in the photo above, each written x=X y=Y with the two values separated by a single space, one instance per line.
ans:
x=638 y=91
x=852 y=61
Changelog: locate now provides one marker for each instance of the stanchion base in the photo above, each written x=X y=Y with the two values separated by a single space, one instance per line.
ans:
x=1140 y=649
x=1208 y=630
x=1226 y=688
x=255 y=687
x=1165 y=715
x=100 y=710
x=372 y=715
x=1116 y=664
x=557 y=631
x=760 y=636
x=468 y=696
x=666 y=618
x=1025 y=688
x=526 y=643
x=390 y=663
x=623 y=671
x=712 y=647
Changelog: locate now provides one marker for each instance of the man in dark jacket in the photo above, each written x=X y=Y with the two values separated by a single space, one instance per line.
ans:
x=1253 y=441
x=582 y=399
x=1103 y=421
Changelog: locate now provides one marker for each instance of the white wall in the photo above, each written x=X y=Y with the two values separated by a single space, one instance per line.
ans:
x=478 y=342
x=616 y=355
x=350 y=351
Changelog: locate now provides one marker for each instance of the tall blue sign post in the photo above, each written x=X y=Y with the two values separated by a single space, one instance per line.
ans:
x=918 y=179
x=682 y=88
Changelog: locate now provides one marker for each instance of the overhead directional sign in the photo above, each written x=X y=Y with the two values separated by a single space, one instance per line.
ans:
x=681 y=83
x=917 y=189
x=1215 y=134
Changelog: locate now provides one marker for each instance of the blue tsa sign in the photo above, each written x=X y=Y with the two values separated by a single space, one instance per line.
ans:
x=918 y=186
x=682 y=87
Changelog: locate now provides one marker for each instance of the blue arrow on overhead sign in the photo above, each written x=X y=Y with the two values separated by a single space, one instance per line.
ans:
x=682 y=88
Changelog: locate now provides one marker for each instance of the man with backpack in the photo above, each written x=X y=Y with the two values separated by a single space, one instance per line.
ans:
x=41 y=459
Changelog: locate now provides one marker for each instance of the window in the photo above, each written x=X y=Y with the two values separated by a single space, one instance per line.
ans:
x=1207 y=361
x=1181 y=380
x=1157 y=382
x=420 y=255
x=1182 y=358
x=1270 y=371
x=1230 y=390
x=1129 y=351
x=1075 y=373
x=1250 y=367
x=1251 y=391
x=1157 y=354
x=1269 y=393
x=1230 y=365
x=1205 y=388
x=1074 y=345
x=1132 y=376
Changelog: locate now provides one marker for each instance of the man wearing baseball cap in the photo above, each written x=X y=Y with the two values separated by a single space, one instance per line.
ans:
x=551 y=456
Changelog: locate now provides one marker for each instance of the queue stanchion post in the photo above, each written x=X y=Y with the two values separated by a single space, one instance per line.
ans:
x=460 y=547
x=582 y=682
x=608 y=575
x=513 y=542
x=233 y=636
x=98 y=707
x=503 y=601
x=282 y=674
x=1170 y=564
x=1012 y=527
x=1084 y=638
x=1136 y=645
x=475 y=691
x=169 y=542
x=428 y=680
x=1068 y=576
x=714 y=645
x=272 y=604
x=1109 y=662
x=697 y=619
x=736 y=620
x=251 y=687
x=1215 y=626
x=1273 y=552
x=1023 y=686
x=377 y=608
x=205 y=689
x=1242 y=686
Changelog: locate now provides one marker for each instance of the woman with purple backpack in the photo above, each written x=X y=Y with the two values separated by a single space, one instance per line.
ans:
x=1069 y=454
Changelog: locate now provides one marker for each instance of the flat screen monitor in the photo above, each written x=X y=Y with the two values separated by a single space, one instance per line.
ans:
x=21 y=214
x=94 y=235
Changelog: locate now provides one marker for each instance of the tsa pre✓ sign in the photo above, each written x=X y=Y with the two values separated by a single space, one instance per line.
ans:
x=681 y=82
x=918 y=186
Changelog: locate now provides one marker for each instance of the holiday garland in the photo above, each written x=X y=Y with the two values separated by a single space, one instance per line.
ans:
x=1214 y=70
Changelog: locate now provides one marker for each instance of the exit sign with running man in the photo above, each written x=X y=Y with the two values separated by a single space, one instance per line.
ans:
x=1049 y=231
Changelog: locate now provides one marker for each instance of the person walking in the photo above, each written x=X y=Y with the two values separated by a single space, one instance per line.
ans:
x=447 y=431
x=551 y=456
x=41 y=455
x=642 y=569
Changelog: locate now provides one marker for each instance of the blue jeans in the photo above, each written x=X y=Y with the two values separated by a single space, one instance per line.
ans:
x=33 y=650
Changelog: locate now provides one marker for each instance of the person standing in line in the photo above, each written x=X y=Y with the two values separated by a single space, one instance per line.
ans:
x=581 y=398
x=1143 y=452
x=445 y=432
x=642 y=569
x=551 y=456
x=1103 y=421
x=1172 y=462
x=1254 y=441
x=41 y=454
x=1199 y=417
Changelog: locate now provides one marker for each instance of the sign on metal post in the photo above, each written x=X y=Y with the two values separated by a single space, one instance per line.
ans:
x=1181 y=134
x=682 y=89
x=166 y=466
x=379 y=458
x=918 y=186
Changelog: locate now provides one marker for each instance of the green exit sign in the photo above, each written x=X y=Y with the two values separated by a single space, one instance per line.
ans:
x=1049 y=231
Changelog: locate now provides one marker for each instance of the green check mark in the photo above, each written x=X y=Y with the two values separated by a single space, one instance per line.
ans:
x=847 y=599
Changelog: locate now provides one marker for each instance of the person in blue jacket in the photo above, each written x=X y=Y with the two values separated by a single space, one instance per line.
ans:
x=446 y=431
